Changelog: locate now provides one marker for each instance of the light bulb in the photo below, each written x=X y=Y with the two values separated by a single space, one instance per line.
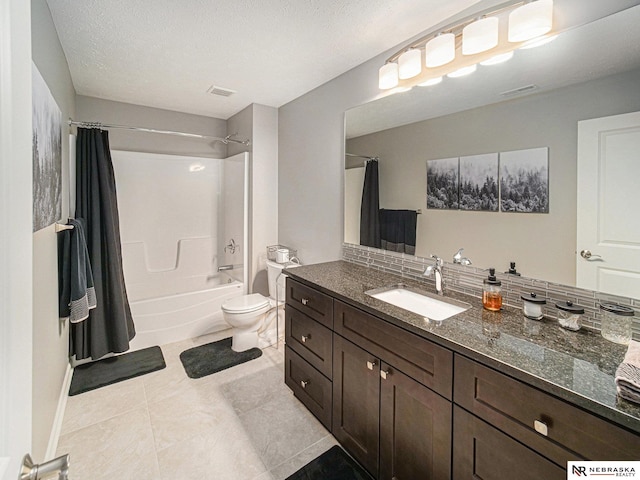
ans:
x=388 y=76
x=440 y=50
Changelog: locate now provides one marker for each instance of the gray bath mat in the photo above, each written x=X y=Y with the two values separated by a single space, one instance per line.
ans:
x=115 y=369
x=334 y=464
x=213 y=357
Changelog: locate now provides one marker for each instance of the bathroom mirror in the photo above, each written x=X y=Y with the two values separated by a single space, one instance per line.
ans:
x=536 y=99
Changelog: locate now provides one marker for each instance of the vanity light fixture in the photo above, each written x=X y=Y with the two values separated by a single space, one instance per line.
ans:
x=458 y=48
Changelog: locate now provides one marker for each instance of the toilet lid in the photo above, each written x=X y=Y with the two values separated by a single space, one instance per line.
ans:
x=245 y=303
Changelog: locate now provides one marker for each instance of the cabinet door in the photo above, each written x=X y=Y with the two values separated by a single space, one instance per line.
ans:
x=482 y=452
x=356 y=402
x=415 y=429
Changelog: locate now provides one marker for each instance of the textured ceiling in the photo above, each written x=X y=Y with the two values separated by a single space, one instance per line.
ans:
x=167 y=53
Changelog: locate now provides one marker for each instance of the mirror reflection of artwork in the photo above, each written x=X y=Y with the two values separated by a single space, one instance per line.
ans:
x=442 y=183
x=479 y=182
x=524 y=181
x=47 y=154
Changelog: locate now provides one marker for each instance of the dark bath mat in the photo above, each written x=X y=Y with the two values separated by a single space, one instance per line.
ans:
x=213 y=357
x=115 y=369
x=334 y=464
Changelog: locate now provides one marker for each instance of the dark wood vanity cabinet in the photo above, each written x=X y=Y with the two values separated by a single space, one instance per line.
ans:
x=395 y=426
x=309 y=348
x=408 y=409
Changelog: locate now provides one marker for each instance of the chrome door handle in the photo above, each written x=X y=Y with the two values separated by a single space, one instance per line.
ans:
x=586 y=254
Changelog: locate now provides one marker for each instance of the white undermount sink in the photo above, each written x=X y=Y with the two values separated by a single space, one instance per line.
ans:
x=422 y=303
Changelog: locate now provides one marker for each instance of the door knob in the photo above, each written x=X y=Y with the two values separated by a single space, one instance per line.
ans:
x=586 y=254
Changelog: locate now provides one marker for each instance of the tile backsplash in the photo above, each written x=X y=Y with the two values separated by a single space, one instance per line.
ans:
x=468 y=280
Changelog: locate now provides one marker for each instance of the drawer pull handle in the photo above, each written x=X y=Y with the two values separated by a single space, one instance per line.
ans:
x=385 y=373
x=304 y=338
x=304 y=384
x=371 y=365
x=304 y=301
x=541 y=427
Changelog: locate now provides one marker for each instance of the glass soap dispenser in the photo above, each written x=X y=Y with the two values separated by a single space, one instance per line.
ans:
x=492 y=292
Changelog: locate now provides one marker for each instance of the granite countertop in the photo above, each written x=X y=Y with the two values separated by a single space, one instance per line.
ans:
x=576 y=366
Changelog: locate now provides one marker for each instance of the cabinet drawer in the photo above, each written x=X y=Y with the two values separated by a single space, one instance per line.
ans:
x=518 y=409
x=421 y=359
x=310 y=302
x=311 y=387
x=310 y=340
x=481 y=452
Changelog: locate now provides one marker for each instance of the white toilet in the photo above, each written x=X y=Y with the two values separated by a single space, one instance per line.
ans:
x=250 y=316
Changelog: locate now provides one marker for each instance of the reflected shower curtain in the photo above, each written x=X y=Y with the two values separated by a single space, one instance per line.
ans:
x=370 y=207
x=109 y=327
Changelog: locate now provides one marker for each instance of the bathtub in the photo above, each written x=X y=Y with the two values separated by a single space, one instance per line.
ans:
x=181 y=314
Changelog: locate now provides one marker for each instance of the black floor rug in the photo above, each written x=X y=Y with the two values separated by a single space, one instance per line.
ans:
x=115 y=369
x=213 y=357
x=334 y=464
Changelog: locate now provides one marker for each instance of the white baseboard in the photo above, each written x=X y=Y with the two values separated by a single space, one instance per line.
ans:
x=56 y=428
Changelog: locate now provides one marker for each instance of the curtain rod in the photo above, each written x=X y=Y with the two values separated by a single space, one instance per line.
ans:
x=361 y=156
x=226 y=140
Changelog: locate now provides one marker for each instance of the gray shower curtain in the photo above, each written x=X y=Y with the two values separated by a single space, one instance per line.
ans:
x=109 y=327
x=370 y=207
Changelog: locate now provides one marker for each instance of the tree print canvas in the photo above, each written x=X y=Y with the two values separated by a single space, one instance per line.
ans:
x=479 y=182
x=442 y=183
x=47 y=154
x=524 y=181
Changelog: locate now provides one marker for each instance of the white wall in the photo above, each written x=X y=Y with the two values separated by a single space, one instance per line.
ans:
x=16 y=322
x=50 y=337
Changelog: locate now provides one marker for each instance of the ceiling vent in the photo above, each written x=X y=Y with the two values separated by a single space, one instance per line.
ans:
x=520 y=91
x=223 y=92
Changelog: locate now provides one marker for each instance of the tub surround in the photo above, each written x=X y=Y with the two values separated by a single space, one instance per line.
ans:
x=578 y=367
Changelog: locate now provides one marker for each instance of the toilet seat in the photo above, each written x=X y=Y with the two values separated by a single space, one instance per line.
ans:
x=245 y=303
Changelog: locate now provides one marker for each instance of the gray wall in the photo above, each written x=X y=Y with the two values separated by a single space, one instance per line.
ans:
x=90 y=109
x=50 y=343
x=311 y=165
x=543 y=245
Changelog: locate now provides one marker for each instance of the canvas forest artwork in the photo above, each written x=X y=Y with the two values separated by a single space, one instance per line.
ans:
x=479 y=182
x=516 y=181
x=47 y=154
x=524 y=181
x=442 y=183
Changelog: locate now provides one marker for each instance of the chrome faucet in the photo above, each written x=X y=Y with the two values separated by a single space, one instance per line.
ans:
x=436 y=270
x=459 y=259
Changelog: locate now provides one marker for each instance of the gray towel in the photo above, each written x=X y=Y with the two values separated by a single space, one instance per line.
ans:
x=75 y=279
x=628 y=374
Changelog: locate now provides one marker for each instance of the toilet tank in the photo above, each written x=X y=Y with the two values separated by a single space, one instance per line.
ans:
x=276 y=280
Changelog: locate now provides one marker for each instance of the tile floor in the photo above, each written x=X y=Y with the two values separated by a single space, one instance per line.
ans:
x=241 y=424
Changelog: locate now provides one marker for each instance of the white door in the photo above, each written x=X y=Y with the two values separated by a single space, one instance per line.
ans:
x=15 y=236
x=608 y=233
